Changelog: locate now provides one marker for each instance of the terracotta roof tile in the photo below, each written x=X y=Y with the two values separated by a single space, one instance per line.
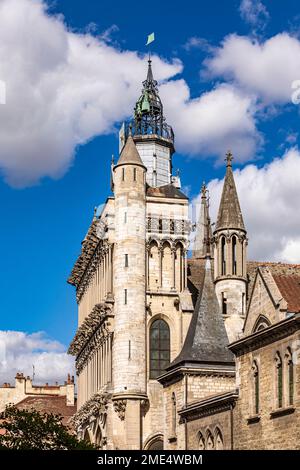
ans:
x=49 y=404
x=196 y=275
x=289 y=286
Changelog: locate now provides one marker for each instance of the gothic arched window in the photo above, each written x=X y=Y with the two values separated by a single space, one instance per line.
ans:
x=159 y=348
x=279 y=391
x=289 y=377
x=156 y=443
x=223 y=256
x=233 y=247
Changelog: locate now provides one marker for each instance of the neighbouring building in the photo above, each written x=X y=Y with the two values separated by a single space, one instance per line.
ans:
x=56 y=399
x=154 y=369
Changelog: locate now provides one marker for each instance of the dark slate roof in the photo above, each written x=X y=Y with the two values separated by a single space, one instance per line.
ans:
x=195 y=274
x=168 y=190
x=229 y=215
x=129 y=154
x=206 y=340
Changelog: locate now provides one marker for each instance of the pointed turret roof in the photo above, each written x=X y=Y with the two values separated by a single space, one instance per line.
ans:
x=229 y=215
x=202 y=245
x=129 y=154
x=150 y=79
x=206 y=340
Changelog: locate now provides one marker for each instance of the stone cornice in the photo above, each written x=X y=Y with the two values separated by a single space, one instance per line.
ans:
x=174 y=375
x=89 y=326
x=88 y=247
x=264 y=337
x=209 y=406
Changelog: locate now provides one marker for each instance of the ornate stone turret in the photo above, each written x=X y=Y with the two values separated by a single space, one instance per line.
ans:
x=203 y=236
x=129 y=345
x=230 y=240
x=153 y=137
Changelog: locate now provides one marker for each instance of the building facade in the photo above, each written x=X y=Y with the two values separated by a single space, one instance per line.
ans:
x=153 y=365
x=57 y=399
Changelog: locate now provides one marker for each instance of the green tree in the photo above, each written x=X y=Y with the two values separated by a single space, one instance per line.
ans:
x=32 y=430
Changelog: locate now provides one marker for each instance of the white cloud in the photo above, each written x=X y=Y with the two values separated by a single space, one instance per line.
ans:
x=269 y=198
x=220 y=119
x=266 y=69
x=196 y=42
x=19 y=351
x=255 y=13
x=64 y=88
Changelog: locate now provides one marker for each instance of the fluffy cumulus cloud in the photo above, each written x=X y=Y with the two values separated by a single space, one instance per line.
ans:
x=64 y=88
x=269 y=198
x=19 y=351
x=219 y=119
x=266 y=69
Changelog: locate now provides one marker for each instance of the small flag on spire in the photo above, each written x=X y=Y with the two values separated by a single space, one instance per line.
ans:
x=150 y=39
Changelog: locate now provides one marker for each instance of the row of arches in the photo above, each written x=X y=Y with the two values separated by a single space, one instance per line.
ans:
x=209 y=440
x=283 y=381
x=95 y=438
x=230 y=253
x=166 y=265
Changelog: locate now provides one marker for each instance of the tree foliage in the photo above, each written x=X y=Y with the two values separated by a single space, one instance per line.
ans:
x=32 y=430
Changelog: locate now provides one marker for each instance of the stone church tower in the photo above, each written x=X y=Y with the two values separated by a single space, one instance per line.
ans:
x=131 y=279
x=230 y=242
x=129 y=358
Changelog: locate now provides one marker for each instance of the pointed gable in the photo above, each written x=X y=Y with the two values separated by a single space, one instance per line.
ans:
x=206 y=340
x=266 y=303
x=229 y=215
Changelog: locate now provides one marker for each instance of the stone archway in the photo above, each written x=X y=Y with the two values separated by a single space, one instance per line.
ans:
x=155 y=443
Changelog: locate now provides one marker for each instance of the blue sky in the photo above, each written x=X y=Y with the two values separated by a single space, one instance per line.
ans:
x=48 y=194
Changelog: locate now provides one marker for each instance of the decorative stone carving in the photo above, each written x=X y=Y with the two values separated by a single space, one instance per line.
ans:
x=92 y=323
x=120 y=408
x=96 y=406
x=145 y=406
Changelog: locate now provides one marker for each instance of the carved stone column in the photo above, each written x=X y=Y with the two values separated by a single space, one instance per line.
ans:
x=173 y=251
x=161 y=254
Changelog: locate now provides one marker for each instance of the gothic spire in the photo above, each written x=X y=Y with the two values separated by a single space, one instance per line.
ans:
x=206 y=340
x=202 y=244
x=229 y=215
x=148 y=112
x=129 y=154
x=150 y=79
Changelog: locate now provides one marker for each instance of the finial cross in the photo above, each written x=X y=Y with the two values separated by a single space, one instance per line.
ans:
x=229 y=158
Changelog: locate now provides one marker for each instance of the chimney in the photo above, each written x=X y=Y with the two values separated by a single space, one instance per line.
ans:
x=70 y=391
